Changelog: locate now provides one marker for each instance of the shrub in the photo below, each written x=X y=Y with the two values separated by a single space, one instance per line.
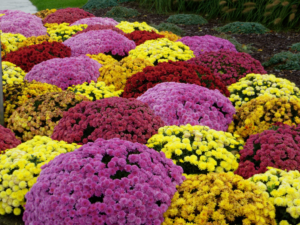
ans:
x=169 y=35
x=197 y=149
x=65 y=72
x=44 y=13
x=181 y=72
x=29 y=56
x=11 y=42
x=207 y=43
x=96 y=21
x=119 y=182
x=20 y=168
x=260 y=113
x=103 y=59
x=12 y=74
x=100 y=41
x=100 y=27
x=39 y=115
x=169 y=27
x=254 y=85
x=99 y=4
x=277 y=147
x=68 y=15
x=118 y=19
x=187 y=19
x=229 y=66
x=119 y=11
x=162 y=50
x=243 y=28
x=8 y=140
x=35 y=40
x=63 y=31
x=117 y=73
x=128 y=27
x=219 y=198
x=284 y=61
x=295 y=47
x=139 y=37
x=181 y=104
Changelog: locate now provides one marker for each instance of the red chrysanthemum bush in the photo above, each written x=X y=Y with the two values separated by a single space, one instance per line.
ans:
x=100 y=27
x=139 y=37
x=278 y=147
x=181 y=72
x=8 y=139
x=68 y=15
x=229 y=66
x=127 y=119
x=28 y=56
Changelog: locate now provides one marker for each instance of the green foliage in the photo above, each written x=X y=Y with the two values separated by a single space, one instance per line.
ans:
x=295 y=47
x=284 y=61
x=50 y=4
x=119 y=11
x=243 y=28
x=187 y=19
x=169 y=27
x=99 y=4
x=118 y=19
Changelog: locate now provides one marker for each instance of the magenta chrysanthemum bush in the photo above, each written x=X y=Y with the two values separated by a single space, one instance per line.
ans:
x=278 y=147
x=96 y=20
x=8 y=139
x=65 y=72
x=105 y=182
x=181 y=104
x=100 y=41
x=127 y=119
x=18 y=22
x=206 y=43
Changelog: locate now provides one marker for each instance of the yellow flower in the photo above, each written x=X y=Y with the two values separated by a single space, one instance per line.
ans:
x=11 y=41
x=128 y=27
x=61 y=32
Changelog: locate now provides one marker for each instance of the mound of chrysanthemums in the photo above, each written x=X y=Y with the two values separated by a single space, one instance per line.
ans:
x=277 y=147
x=96 y=21
x=228 y=65
x=219 y=198
x=10 y=42
x=206 y=43
x=7 y=139
x=12 y=74
x=68 y=15
x=139 y=37
x=100 y=41
x=181 y=104
x=29 y=56
x=128 y=27
x=18 y=22
x=39 y=115
x=20 y=167
x=65 y=72
x=105 y=182
x=198 y=149
x=170 y=71
x=100 y=27
x=127 y=119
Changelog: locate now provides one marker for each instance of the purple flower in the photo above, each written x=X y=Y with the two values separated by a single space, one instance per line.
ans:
x=96 y=20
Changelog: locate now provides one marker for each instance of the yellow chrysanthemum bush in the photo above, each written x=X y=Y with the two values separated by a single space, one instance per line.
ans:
x=20 y=168
x=44 y=13
x=171 y=36
x=118 y=73
x=254 y=85
x=103 y=59
x=11 y=41
x=63 y=31
x=219 y=198
x=198 y=149
x=95 y=91
x=283 y=189
x=261 y=113
x=162 y=50
x=12 y=74
x=35 y=40
x=39 y=115
x=16 y=95
x=128 y=27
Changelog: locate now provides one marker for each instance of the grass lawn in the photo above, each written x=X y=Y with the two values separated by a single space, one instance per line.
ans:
x=57 y=4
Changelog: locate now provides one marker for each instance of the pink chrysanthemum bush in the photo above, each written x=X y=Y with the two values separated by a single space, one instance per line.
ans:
x=18 y=22
x=181 y=104
x=105 y=182
x=8 y=139
x=228 y=65
x=68 y=15
x=100 y=27
x=278 y=147
x=96 y=21
x=100 y=41
x=65 y=72
x=127 y=119
x=206 y=43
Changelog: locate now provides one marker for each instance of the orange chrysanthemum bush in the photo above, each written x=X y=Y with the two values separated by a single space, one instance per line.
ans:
x=103 y=59
x=219 y=198
x=44 y=13
x=171 y=36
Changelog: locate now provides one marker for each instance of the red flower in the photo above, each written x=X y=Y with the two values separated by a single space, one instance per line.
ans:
x=68 y=15
x=8 y=139
x=139 y=37
x=100 y=27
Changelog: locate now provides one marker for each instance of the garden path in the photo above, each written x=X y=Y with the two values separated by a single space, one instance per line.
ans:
x=23 y=5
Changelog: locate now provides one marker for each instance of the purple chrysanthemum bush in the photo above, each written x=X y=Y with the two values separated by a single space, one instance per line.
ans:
x=96 y=20
x=181 y=104
x=65 y=72
x=104 y=182
x=100 y=41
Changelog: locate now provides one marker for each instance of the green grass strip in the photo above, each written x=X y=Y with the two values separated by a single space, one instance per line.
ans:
x=55 y=4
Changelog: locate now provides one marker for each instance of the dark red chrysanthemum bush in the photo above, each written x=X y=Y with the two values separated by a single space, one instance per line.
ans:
x=100 y=27
x=278 y=147
x=28 y=56
x=139 y=37
x=180 y=72
x=8 y=139
x=68 y=15
x=127 y=119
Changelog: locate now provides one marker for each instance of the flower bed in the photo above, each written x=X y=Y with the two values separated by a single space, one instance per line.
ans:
x=100 y=27
x=139 y=37
x=8 y=140
x=96 y=21
x=12 y=74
